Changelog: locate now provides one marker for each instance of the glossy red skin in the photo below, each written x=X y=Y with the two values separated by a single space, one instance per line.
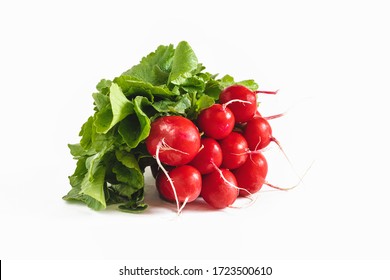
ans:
x=234 y=150
x=187 y=181
x=243 y=112
x=209 y=154
x=216 y=192
x=180 y=134
x=216 y=122
x=258 y=129
x=251 y=175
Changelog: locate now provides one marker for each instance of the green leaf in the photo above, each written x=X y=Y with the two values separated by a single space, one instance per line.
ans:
x=213 y=89
x=101 y=100
x=102 y=142
x=94 y=188
x=204 y=102
x=226 y=81
x=86 y=133
x=113 y=197
x=130 y=180
x=135 y=128
x=142 y=108
x=92 y=163
x=184 y=62
x=111 y=115
x=192 y=84
x=251 y=84
x=104 y=86
x=76 y=150
x=103 y=118
x=133 y=207
x=132 y=87
x=130 y=130
x=128 y=174
x=135 y=204
x=75 y=195
x=79 y=181
x=79 y=173
x=120 y=105
x=174 y=107
x=155 y=67
x=128 y=160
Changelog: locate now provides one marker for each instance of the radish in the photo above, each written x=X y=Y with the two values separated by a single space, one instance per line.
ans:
x=178 y=138
x=188 y=184
x=216 y=121
x=234 y=150
x=251 y=175
x=219 y=188
x=258 y=133
x=208 y=155
x=243 y=111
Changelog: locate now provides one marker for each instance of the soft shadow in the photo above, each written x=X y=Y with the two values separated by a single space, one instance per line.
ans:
x=157 y=204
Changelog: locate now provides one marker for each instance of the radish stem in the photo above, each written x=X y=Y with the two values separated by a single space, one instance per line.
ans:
x=266 y=91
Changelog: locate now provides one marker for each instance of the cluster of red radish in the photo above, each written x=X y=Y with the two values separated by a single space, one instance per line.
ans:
x=219 y=158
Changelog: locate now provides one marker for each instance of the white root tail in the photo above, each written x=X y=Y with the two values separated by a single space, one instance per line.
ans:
x=165 y=146
x=184 y=204
x=258 y=143
x=273 y=139
x=292 y=187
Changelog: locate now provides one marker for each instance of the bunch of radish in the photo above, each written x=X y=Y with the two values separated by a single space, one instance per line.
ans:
x=218 y=158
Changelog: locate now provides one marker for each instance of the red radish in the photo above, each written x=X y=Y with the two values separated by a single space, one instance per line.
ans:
x=251 y=175
x=208 y=155
x=187 y=180
x=234 y=150
x=178 y=137
x=216 y=121
x=245 y=110
x=219 y=188
x=258 y=133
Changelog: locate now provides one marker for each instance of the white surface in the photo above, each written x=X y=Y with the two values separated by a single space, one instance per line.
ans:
x=330 y=62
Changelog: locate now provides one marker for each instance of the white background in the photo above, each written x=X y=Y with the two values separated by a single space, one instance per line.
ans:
x=330 y=61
